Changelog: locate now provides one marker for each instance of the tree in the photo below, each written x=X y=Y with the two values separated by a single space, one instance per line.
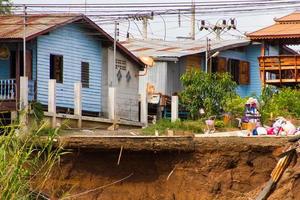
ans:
x=5 y=6
x=206 y=90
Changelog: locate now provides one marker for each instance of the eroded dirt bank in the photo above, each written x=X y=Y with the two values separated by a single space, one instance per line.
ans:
x=224 y=168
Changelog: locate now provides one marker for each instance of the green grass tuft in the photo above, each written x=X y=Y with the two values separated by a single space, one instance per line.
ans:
x=164 y=124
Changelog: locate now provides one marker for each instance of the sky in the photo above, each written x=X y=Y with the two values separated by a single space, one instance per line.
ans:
x=246 y=22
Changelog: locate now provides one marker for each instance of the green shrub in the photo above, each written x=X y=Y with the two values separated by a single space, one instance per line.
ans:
x=206 y=90
x=284 y=102
x=235 y=106
x=219 y=124
x=7 y=9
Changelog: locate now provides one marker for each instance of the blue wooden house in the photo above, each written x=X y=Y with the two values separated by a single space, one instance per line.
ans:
x=69 y=48
x=172 y=59
x=241 y=62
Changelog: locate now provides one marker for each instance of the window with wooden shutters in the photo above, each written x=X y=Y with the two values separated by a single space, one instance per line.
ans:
x=56 y=67
x=85 y=74
x=244 y=73
x=28 y=64
x=222 y=65
x=234 y=69
x=218 y=65
x=192 y=62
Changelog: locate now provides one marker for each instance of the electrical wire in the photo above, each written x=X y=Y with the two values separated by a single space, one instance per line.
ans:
x=158 y=4
x=165 y=27
x=106 y=13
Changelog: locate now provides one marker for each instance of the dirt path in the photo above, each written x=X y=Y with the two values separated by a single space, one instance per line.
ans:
x=221 y=168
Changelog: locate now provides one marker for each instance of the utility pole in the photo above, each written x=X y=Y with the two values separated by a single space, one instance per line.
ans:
x=145 y=27
x=206 y=54
x=24 y=39
x=193 y=20
x=115 y=52
x=144 y=18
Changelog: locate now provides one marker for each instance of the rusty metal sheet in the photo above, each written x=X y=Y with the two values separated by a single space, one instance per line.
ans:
x=159 y=48
x=12 y=26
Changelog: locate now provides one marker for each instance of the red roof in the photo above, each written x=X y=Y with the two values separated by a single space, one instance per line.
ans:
x=287 y=27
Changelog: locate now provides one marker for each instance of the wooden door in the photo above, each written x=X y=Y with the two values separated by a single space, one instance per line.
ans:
x=29 y=64
x=192 y=62
x=222 y=65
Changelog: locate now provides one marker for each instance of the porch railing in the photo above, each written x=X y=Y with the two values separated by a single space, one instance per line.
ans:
x=280 y=69
x=7 y=89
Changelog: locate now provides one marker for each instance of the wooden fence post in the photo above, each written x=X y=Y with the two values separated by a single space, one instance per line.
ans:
x=112 y=103
x=52 y=101
x=78 y=103
x=174 y=108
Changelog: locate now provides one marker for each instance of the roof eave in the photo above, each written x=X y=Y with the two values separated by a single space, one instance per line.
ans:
x=226 y=47
x=272 y=37
x=167 y=59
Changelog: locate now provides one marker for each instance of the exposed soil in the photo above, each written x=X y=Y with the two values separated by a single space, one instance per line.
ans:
x=223 y=168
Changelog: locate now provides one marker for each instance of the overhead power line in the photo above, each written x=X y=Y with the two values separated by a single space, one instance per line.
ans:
x=102 y=12
x=161 y=4
x=106 y=13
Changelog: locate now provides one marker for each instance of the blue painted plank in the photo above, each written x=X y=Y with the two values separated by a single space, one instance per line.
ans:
x=251 y=53
x=4 y=69
x=76 y=46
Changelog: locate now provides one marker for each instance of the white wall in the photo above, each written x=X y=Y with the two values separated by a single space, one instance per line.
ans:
x=165 y=76
x=127 y=96
x=157 y=76
x=175 y=71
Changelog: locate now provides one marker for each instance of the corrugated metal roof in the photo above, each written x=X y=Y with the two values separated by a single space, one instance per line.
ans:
x=12 y=26
x=160 y=48
x=285 y=27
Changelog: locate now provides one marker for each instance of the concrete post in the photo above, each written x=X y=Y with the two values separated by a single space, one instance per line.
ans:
x=24 y=93
x=174 y=108
x=13 y=116
x=78 y=103
x=24 y=104
x=52 y=101
x=112 y=103
x=144 y=109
